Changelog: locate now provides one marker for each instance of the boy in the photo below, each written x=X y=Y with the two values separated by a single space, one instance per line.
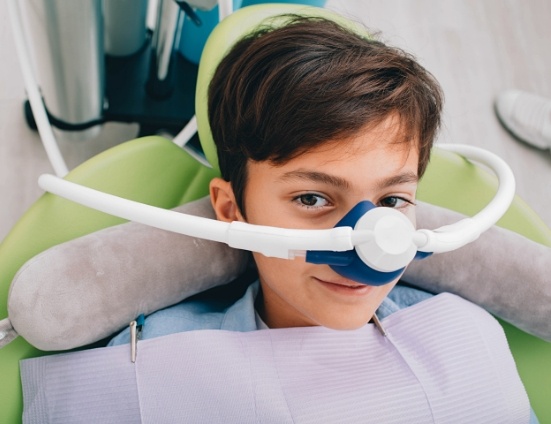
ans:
x=303 y=138
x=309 y=119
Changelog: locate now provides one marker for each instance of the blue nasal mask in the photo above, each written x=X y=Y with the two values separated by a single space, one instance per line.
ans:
x=370 y=245
x=391 y=255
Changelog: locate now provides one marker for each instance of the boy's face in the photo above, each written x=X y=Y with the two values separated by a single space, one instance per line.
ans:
x=315 y=190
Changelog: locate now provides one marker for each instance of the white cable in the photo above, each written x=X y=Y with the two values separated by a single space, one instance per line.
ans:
x=454 y=236
x=270 y=241
x=33 y=92
x=186 y=133
x=225 y=9
x=506 y=182
x=183 y=137
x=288 y=243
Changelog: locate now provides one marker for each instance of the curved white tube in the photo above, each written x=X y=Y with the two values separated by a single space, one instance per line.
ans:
x=225 y=8
x=33 y=92
x=183 y=137
x=289 y=243
x=454 y=236
x=186 y=133
x=270 y=241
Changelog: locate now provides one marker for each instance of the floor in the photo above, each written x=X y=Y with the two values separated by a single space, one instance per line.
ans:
x=475 y=48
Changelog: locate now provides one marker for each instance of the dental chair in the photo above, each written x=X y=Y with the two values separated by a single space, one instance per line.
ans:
x=155 y=171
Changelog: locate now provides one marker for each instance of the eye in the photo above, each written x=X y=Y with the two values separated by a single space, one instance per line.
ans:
x=311 y=200
x=394 y=202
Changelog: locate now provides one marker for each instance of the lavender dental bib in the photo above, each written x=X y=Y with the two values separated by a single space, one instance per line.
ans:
x=443 y=360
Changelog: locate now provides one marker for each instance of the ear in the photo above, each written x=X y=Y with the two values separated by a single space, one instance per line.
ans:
x=223 y=201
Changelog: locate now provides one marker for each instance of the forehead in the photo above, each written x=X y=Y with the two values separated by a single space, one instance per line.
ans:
x=385 y=143
x=375 y=158
x=357 y=162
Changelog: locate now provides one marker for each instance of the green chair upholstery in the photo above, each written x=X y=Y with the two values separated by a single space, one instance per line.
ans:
x=155 y=171
x=151 y=170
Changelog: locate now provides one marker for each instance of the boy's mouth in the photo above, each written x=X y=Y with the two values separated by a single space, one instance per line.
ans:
x=345 y=287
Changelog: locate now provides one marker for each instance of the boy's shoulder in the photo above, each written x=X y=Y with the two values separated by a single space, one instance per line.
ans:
x=208 y=311
x=402 y=296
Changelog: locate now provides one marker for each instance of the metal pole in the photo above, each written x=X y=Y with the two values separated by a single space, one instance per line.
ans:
x=67 y=40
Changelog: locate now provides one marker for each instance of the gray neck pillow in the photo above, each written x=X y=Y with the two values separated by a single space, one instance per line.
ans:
x=86 y=289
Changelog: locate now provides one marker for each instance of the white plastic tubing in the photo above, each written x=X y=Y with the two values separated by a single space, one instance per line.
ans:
x=225 y=8
x=454 y=236
x=286 y=243
x=270 y=241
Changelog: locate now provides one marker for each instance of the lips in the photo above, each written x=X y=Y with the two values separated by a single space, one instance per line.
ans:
x=345 y=283
x=345 y=287
x=349 y=285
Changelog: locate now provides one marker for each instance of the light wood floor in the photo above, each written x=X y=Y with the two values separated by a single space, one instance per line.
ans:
x=475 y=48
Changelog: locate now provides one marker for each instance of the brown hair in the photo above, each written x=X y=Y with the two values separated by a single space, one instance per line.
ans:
x=279 y=92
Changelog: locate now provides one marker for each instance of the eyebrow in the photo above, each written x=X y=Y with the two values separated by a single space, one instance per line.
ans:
x=316 y=177
x=403 y=178
x=341 y=183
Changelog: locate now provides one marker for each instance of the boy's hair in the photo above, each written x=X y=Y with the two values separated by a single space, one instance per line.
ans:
x=280 y=92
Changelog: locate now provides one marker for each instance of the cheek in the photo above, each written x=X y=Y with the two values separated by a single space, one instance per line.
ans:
x=264 y=211
x=276 y=269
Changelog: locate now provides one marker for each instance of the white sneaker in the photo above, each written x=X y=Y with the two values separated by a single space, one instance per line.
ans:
x=527 y=116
